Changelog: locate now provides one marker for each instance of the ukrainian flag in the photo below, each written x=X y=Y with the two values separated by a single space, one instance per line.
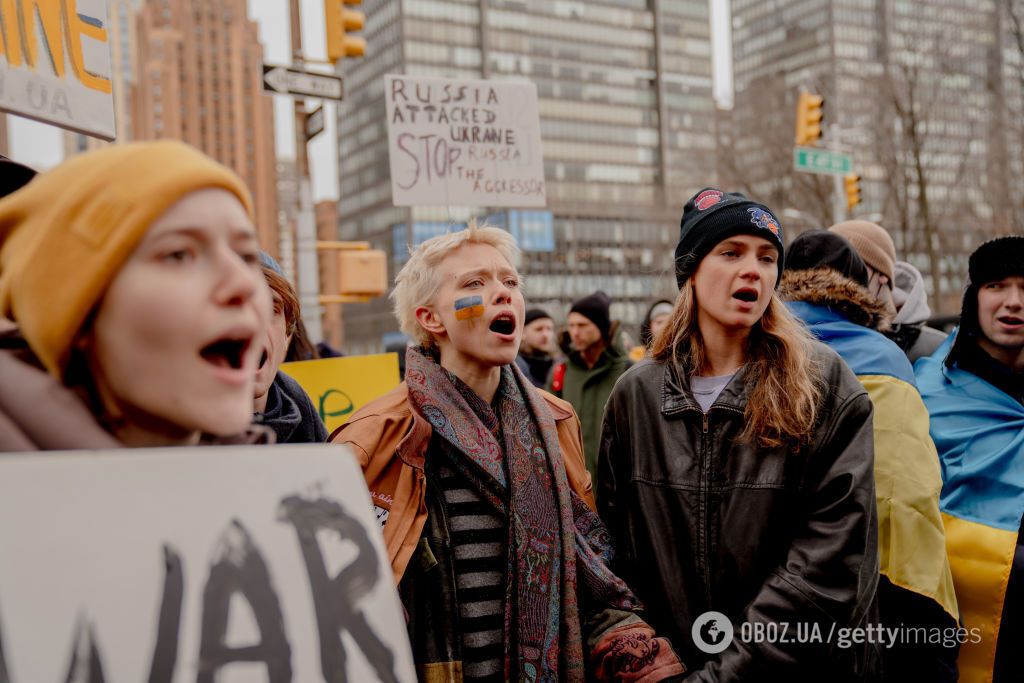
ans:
x=979 y=433
x=911 y=535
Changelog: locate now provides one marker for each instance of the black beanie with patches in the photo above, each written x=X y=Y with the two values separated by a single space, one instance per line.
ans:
x=711 y=216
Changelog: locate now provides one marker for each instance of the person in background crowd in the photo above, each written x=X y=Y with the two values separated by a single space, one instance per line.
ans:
x=876 y=248
x=13 y=176
x=535 y=359
x=973 y=386
x=280 y=402
x=736 y=466
x=400 y=348
x=654 y=322
x=131 y=303
x=479 y=482
x=301 y=347
x=825 y=282
x=910 y=328
x=325 y=350
x=595 y=361
x=897 y=285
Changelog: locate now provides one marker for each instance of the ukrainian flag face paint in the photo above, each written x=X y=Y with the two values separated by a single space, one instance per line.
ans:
x=469 y=307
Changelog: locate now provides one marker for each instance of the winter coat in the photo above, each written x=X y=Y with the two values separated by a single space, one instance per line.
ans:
x=39 y=413
x=587 y=389
x=291 y=414
x=916 y=588
x=909 y=328
x=390 y=441
x=978 y=430
x=537 y=368
x=703 y=521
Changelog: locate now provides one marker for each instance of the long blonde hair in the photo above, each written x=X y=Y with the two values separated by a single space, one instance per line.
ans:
x=787 y=383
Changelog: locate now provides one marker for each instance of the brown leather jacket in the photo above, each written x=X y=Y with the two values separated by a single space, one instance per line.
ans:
x=390 y=440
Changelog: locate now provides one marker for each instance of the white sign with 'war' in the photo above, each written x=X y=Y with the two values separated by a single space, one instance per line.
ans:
x=464 y=142
x=55 y=64
x=204 y=565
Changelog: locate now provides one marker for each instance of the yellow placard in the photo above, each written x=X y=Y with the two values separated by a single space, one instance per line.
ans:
x=340 y=386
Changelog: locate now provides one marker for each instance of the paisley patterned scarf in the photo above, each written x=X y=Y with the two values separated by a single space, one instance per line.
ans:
x=558 y=547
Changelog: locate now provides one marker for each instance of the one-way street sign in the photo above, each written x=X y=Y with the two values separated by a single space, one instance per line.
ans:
x=289 y=81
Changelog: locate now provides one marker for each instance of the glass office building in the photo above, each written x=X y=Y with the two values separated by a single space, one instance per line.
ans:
x=627 y=122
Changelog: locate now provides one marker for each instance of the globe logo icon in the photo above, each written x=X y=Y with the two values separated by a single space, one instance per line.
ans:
x=712 y=632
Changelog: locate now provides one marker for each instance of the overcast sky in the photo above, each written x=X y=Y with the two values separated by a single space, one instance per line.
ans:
x=42 y=146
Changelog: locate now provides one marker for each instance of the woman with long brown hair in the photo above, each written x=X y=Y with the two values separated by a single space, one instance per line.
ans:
x=735 y=470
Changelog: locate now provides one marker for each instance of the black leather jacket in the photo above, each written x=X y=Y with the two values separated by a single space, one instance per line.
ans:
x=702 y=522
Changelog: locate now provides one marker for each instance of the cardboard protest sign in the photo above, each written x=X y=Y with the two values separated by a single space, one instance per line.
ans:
x=55 y=64
x=464 y=142
x=341 y=386
x=222 y=564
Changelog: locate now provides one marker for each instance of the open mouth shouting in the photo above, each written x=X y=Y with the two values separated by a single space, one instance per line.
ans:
x=1011 y=322
x=227 y=354
x=747 y=295
x=504 y=325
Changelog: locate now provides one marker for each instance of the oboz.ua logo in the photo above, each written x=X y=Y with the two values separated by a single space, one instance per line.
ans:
x=712 y=632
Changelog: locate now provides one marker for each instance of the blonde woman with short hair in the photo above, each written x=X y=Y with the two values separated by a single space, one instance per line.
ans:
x=479 y=482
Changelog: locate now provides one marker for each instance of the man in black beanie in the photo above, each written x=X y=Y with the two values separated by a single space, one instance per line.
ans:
x=535 y=350
x=990 y=340
x=595 y=361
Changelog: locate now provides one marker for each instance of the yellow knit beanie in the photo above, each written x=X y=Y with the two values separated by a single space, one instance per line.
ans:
x=66 y=234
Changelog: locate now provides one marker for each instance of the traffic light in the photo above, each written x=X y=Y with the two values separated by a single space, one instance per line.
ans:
x=808 y=118
x=852 y=184
x=362 y=273
x=358 y=272
x=339 y=20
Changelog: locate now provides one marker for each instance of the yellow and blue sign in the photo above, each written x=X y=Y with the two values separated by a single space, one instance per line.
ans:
x=340 y=386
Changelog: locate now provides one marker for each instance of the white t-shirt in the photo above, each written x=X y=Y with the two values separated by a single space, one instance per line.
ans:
x=706 y=389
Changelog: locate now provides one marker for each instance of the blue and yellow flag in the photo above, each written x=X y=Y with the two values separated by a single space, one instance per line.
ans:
x=979 y=433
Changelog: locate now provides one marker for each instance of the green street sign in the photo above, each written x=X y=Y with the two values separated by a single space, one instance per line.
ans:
x=813 y=160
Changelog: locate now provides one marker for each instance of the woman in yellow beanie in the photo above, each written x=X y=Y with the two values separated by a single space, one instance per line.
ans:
x=130 y=298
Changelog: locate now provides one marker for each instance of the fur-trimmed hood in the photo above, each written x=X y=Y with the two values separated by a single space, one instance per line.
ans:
x=828 y=287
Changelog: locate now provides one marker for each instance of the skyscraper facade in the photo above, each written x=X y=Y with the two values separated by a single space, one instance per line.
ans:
x=627 y=124
x=199 y=79
x=912 y=91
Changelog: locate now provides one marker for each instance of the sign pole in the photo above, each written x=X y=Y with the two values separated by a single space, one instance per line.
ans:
x=838 y=194
x=308 y=274
x=838 y=200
